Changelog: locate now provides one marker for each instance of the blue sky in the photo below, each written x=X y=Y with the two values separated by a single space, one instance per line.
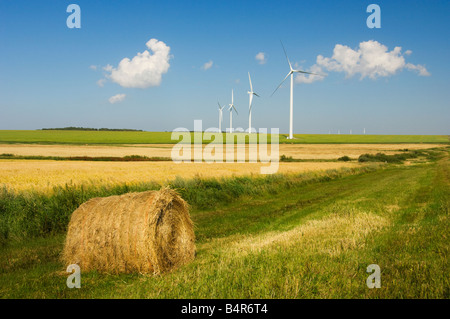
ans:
x=47 y=76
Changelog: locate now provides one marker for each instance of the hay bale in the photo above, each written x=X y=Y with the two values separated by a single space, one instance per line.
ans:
x=148 y=232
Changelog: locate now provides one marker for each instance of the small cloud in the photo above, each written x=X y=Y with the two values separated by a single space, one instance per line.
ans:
x=419 y=68
x=108 y=68
x=143 y=70
x=261 y=58
x=408 y=52
x=101 y=82
x=208 y=65
x=116 y=98
x=93 y=67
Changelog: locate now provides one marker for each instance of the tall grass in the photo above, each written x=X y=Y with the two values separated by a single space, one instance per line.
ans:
x=31 y=214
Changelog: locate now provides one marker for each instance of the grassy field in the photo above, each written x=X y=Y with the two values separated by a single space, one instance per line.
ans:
x=309 y=235
x=111 y=137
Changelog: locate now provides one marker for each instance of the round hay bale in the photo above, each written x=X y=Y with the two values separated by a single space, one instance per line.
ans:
x=148 y=232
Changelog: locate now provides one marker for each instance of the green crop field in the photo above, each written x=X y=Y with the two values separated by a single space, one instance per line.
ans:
x=299 y=236
x=126 y=137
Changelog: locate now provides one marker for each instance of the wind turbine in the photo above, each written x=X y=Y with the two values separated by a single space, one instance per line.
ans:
x=291 y=73
x=231 y=112
x=250 y=93
x=220 y=116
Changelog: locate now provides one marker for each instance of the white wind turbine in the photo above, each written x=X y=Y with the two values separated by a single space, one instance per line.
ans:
x=291 y=73
x=250 y=93
x=220 y=116
x=231 y=112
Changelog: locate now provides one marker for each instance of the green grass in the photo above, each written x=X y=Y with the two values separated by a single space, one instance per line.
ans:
x=113 y=137
x=309 y=236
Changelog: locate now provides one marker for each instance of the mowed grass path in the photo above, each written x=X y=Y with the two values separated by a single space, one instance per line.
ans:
x=313 y=240
x=114 y=137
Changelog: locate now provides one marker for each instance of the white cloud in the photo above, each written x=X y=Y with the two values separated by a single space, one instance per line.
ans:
x=93 y=67
x=261 y=58
x=108 y=68
x=419 y=68
x=143 y=70
x=310 y=78
x=116 y=98
x=208 y=65
x=371 y=59
x=101 y=82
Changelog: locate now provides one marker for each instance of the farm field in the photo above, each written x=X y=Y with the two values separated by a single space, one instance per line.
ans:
x=298 y=151
x=112 y=137
x=308 y=231
x=43 y=176
x=308 y=235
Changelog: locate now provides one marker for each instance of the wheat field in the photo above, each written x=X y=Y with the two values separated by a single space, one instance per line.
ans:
x=20 y=175
x=43 y=175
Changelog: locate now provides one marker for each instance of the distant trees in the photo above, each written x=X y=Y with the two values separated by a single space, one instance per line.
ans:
x=73 y=128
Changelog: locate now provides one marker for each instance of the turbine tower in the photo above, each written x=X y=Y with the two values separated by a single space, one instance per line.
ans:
x=291 y=73
x=250 y=93
x=231 y=112
x=220 y=116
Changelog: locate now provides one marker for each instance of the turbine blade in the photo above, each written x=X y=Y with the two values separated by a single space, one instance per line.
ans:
x=235 y=110
x=250 y=103
x=285 y=53
x=281 y=83
x=256 y=94
x=299 y=71
x=251 y=87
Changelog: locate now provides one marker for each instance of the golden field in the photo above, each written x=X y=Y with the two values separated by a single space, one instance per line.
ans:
x=301 y=151
x=42 y=175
